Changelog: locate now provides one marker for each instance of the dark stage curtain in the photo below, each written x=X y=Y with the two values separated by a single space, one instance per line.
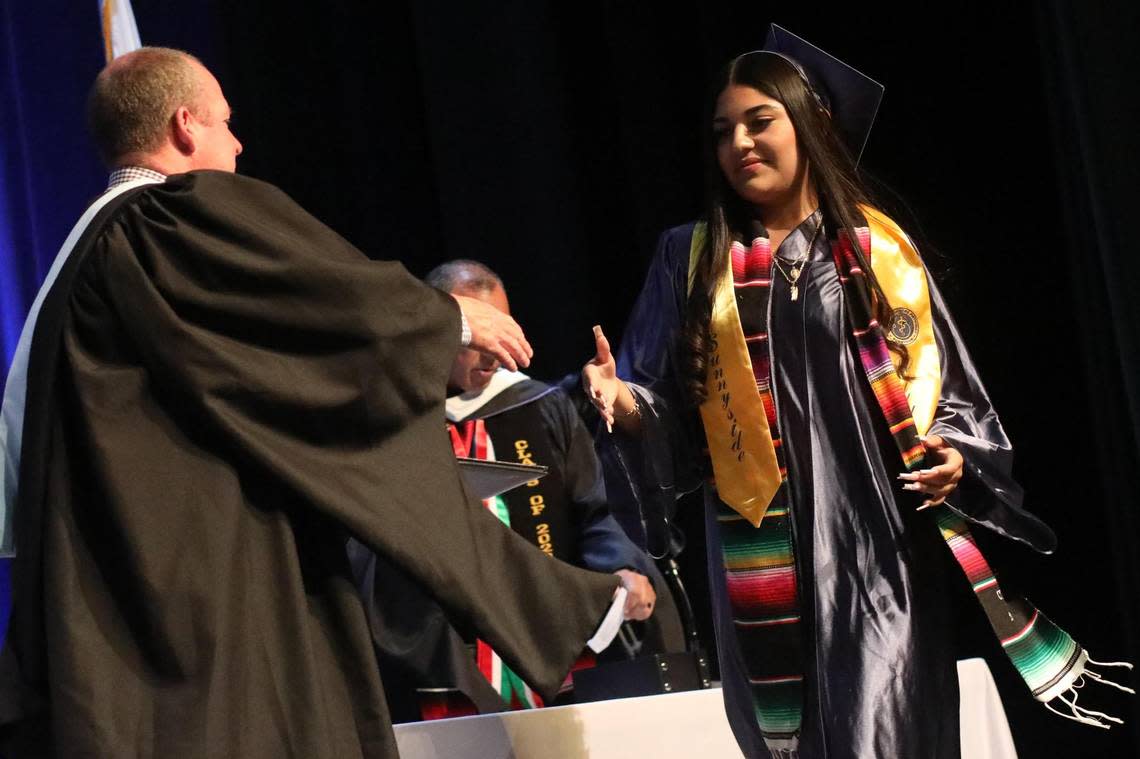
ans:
x=1091 y=64
x=554 y=141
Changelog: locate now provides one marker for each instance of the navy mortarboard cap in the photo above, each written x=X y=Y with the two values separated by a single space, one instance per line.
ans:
x=851 y=97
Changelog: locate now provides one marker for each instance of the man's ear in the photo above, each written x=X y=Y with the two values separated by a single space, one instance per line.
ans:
x=183 y=130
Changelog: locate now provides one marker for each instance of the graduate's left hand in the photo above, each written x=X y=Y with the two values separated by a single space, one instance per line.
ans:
x=641 y=596
x=940 y=478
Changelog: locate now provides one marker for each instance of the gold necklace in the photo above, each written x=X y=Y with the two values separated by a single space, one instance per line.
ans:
x=795 y=268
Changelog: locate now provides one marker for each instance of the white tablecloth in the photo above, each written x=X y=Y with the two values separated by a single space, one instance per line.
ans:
x=689 y=725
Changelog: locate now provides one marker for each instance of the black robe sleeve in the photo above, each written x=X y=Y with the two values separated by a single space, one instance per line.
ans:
x=987 y=494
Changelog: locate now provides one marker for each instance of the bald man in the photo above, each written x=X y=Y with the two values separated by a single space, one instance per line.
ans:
x=212 y=393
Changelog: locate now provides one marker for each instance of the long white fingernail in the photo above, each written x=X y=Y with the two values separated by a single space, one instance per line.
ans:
x=912 y=486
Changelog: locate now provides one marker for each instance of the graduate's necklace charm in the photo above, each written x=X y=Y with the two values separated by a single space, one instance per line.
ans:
x=795 y=268
x=792 y=273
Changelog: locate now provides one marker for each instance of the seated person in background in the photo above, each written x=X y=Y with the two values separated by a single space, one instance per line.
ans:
x=499 y=415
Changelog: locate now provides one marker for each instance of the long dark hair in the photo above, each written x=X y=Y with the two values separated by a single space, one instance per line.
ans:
x=830 y=167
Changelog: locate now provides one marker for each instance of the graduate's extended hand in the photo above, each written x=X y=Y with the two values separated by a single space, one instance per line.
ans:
x=612 y=397
x=599 y=378
x=941 y=477
x=495 y=333
x=641 y=596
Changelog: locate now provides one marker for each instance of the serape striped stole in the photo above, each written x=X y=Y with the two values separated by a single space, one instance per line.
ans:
x=760 y=573
x=470 y=438
x=1052 y=664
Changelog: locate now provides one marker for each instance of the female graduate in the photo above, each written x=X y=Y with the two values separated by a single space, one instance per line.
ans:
x=794 y=333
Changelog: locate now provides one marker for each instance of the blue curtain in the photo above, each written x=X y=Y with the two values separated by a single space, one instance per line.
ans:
x=50 y=51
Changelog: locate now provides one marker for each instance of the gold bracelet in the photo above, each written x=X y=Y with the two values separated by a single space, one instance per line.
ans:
x=636 y=410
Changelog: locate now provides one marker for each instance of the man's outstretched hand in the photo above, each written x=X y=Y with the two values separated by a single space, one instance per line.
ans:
x=495 y=333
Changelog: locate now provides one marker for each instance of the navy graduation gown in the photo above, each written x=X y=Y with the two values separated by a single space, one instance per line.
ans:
x=880 y=670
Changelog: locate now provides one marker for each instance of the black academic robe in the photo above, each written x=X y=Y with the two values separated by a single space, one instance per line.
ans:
x=874 y=575
x=575 y=515
x=419 y=647
x=221 y=391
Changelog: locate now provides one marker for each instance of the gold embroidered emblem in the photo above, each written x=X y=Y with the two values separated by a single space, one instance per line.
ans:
x=904 y=327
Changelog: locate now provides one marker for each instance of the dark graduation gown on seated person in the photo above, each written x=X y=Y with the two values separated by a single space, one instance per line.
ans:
x=880 y=675
x=540 y=421
x=418 y=647
x=222 y=390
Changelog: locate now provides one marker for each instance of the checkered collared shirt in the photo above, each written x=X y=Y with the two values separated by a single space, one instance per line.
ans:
x=131 y=173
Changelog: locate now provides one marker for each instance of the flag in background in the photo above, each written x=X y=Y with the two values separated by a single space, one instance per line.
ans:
x=120 y=33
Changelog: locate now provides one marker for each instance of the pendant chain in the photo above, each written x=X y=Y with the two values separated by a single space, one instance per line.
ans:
x=795 y=268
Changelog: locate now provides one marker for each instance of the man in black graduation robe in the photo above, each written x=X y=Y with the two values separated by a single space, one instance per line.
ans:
x=219 y=391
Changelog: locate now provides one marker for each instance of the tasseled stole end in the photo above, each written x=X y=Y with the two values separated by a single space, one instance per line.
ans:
x=1053 y=665
x=1064 y=693
x=1056 y=667
x=781 y=749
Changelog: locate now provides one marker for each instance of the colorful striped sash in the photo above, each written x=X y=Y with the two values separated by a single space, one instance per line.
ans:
x=759 y=561
x=1052 y=664
x=470 y=439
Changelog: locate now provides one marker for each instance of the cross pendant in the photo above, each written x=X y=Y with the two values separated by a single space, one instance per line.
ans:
x=795 y=292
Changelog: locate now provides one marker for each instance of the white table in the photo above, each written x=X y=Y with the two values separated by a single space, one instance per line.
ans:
x=674 y=726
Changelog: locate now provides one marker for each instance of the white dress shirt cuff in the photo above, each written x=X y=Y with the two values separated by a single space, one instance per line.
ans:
x=611 y=623
x=465 y=334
